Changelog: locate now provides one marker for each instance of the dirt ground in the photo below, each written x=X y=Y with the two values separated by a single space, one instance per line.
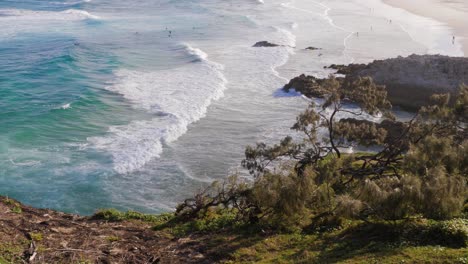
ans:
x=29 y=235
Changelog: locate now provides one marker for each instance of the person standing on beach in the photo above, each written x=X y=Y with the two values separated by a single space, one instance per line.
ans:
x=453 y=40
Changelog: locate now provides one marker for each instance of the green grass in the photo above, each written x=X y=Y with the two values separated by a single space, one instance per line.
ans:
x=116 y=216
x=409 y=241
x=211 y=222
x=359 y=243
x=222 y=237
x=112 y=238
x=8 y=201
x=15 y=207
x=16 y=210
x=12 y=252
x=35 y=236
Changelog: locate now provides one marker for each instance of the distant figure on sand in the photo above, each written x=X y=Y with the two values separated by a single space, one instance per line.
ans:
x=453 y=40
x=357 y=34
x=170 y=33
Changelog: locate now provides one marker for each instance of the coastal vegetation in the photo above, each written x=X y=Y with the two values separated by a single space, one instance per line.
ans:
x=400 y=196
x=412 y=188
x=419 y=170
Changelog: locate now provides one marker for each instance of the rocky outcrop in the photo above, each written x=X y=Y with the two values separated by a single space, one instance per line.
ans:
x=306 y=85
x=347 y=69
x=265 y=44
x=394 y=128
x=312 y=48
x=411 y=81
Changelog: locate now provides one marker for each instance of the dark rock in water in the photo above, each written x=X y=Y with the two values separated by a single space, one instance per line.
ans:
x=306 y=85
x=265 y=44
x=346 y=69
x=412 y=80
x=312 y=48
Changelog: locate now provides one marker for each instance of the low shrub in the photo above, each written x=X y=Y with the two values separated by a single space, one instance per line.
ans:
x=212 y=220
x=452 y=233
x=114 y=215
x=109 y=215
x=449 y=233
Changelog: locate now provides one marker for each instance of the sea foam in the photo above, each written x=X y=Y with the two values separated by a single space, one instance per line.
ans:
x=22 y=14
x=176 y=98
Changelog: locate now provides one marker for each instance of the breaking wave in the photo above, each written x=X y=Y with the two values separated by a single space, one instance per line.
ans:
x=176 y=98
x=22 y=14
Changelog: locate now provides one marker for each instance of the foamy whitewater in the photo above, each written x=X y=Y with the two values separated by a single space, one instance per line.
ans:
x=183 y=97
x=138 y=104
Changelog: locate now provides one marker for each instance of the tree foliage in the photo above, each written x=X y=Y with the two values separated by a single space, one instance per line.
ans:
x=420 y=166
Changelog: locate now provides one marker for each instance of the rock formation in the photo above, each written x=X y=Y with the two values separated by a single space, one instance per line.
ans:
x=411 y=81
x=312 y=48
x=265 y=44
x=306 y=85
x=394 y=128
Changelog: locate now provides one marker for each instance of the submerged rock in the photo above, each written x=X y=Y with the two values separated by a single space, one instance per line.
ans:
x=265 y=44
x=312 y=48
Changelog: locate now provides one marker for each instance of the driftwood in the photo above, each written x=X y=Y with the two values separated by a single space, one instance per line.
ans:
x=31 y=252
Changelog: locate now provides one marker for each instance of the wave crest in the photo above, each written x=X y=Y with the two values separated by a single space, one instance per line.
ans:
x=70 y=14
x=176 y=98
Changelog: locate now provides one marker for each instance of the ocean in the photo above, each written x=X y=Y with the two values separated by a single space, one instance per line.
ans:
x=138 y=104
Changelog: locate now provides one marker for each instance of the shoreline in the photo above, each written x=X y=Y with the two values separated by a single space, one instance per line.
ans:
x=454 y=18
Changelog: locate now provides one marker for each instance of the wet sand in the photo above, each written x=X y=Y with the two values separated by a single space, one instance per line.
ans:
x=454 y=13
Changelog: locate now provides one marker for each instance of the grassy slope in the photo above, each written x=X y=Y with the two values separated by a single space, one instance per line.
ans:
x=358 y=243
x=332 y=248
x=115 y=236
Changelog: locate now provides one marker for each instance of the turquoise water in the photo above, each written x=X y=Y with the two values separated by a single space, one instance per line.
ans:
x=59 y=62
x=51 y=102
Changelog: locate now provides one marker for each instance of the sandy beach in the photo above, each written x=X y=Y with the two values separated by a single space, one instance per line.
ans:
x=452 y=13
